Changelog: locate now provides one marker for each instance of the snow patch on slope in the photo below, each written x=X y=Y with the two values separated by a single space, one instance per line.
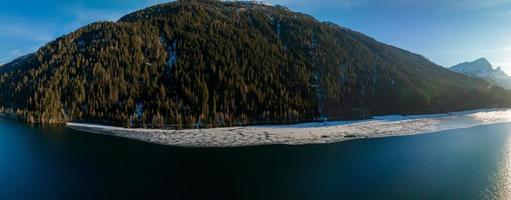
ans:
x=172 y=55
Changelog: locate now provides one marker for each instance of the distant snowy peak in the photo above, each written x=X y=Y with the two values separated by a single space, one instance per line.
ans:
x=481 y=68
x=499 y=73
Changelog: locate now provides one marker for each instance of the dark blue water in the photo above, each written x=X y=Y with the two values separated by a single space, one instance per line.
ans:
x=59 y=163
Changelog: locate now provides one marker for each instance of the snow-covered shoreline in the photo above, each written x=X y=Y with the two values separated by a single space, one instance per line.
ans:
x=306 y=133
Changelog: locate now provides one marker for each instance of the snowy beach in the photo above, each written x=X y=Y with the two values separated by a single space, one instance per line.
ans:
x=306 y=133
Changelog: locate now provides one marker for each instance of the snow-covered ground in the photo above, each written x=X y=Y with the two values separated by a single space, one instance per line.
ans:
x=307 y=133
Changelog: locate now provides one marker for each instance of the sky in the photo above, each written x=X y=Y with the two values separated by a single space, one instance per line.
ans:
x=445 y=31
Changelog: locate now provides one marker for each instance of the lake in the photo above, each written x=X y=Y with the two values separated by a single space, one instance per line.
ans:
x=54 y=162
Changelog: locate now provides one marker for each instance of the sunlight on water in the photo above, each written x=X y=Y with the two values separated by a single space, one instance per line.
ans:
x=501 y=188
x=504 y=176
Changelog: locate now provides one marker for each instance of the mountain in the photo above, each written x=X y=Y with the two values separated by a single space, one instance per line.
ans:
x=228 y=63
x=16 y=63
x=481 y=68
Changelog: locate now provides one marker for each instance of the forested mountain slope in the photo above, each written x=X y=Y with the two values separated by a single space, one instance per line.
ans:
x=227 y=63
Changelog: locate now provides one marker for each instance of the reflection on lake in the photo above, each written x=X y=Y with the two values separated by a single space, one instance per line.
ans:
x=59 y=163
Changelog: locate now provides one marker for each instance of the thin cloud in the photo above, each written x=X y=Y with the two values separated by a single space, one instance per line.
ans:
x=503 y=64
x=480 y=51
x=11 y=55
x=478 y=4
x=15 y=53
x=91 y=15
x=4 y=60
x=34 y=32
x=454 y=5
x=450 y=4
x=83 y=16
x=43 y=38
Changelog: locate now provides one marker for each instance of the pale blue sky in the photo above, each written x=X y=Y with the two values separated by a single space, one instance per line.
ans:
x=445 y=31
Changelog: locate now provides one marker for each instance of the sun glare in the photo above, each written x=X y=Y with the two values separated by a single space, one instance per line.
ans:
x=502 y=182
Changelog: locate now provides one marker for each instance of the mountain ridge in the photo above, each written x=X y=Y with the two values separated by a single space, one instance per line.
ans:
x=482 y=68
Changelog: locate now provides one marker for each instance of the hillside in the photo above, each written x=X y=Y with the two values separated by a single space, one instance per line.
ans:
x=481 y=68
x=228 y=63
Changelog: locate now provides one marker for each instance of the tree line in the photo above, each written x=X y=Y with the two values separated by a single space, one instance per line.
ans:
x=212 y=63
